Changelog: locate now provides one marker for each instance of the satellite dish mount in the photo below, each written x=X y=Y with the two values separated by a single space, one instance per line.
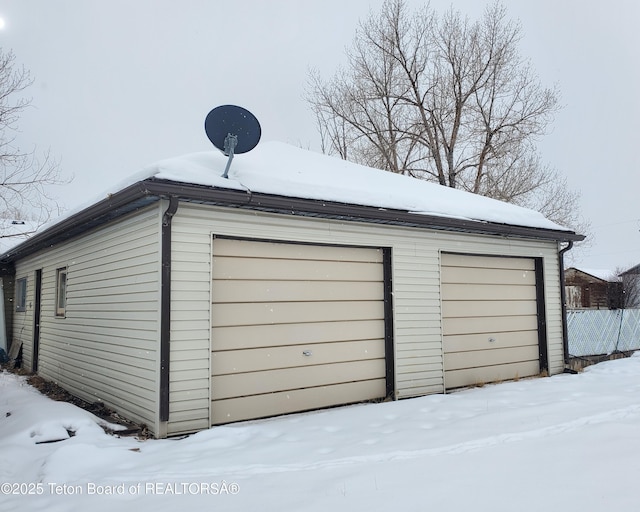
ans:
x=233 y=130
x=230 y=143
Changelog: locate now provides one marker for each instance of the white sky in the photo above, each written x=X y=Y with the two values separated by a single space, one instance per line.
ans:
x=121 y=84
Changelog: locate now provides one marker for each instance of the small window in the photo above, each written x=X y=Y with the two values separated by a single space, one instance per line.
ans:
x=21 y=294
x=61 y=291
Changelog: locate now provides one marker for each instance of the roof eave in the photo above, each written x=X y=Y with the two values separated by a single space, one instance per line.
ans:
x=347 y=211
x=145 y=192
x=114 y=205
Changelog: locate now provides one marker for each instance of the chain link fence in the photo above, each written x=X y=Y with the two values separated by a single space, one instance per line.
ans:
x=603 y=331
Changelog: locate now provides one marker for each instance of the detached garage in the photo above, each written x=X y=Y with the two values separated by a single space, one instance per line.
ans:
x=186 y=300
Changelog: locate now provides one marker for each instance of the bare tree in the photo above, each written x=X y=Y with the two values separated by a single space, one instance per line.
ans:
x=629 y=282
x=25 y=177
x=445 y=99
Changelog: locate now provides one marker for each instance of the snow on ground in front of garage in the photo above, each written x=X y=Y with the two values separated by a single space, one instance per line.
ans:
x=568 y=442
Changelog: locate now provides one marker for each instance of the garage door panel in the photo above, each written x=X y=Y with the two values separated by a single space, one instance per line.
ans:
x=479 y=341
x=295 y=312
x=229 y=291
x=488 y=276
x=274 y=302
x=292 y=270
x=270 y=381
x=475 y=308
x=283 y=402
x=289 y=251
x=486 y=374
x=490 y=357
x=489 y=319
x=260 y=359
x=490 y=324
x=458 y=291
x=256 y=336
x=484 y=262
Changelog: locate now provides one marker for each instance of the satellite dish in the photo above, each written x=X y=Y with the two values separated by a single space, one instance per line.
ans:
x=233 y=130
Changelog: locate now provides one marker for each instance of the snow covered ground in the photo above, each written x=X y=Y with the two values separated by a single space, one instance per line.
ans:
x=569 y=442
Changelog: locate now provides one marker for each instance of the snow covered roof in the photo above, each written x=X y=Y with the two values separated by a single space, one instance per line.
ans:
x=281 y=169
x=275 y=170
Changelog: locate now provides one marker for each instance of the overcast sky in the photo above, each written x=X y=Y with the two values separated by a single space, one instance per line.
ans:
x=120 y=84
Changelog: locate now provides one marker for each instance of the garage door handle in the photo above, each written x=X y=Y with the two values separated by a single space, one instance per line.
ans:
x=306 y=353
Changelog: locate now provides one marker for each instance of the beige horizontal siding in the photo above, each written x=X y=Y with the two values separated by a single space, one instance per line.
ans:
x=106 y=347
x=554 y=318
x=189 y=399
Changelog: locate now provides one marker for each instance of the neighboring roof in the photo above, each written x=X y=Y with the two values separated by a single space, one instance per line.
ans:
x=601 y=274
x=632 y=270
x=282 y=178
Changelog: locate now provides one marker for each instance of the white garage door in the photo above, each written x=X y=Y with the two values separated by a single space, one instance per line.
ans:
x=490 y=319
x=294 y=327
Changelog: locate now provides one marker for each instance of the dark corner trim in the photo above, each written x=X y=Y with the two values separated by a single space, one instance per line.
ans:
x=563 y=300
x=165 y=306
x=542 y=316
x=37 y=319
x=388 y=324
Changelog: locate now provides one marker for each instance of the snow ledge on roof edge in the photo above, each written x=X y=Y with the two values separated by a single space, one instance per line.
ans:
x=285 y=170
